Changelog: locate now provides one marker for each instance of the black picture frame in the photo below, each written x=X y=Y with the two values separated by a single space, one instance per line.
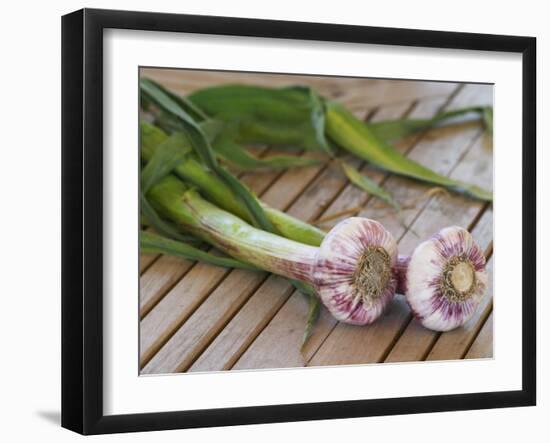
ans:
x=82 y=219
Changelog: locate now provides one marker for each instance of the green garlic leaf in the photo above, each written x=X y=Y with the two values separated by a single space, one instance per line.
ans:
x=157 y=95
x=153 y=243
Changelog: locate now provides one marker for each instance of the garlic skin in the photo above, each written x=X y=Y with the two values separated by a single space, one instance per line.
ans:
x=353 y=271
x=446 y=279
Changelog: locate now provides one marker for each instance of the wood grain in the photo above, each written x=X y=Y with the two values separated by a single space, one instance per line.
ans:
x=482 y=347
x=212 y=315
x=145 y=260
x=237 y=335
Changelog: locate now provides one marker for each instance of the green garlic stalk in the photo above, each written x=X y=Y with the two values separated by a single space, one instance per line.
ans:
x=351 y=271
x=192 y=171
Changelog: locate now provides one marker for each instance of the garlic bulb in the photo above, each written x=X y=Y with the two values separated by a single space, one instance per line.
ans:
x=445 y=279
x=353 y=270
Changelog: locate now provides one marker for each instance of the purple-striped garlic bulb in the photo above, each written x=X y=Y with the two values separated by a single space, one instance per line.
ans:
x=353 y=273
x=444 y=279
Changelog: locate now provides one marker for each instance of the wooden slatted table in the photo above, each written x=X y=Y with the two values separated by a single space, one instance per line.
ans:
x=198 y=317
